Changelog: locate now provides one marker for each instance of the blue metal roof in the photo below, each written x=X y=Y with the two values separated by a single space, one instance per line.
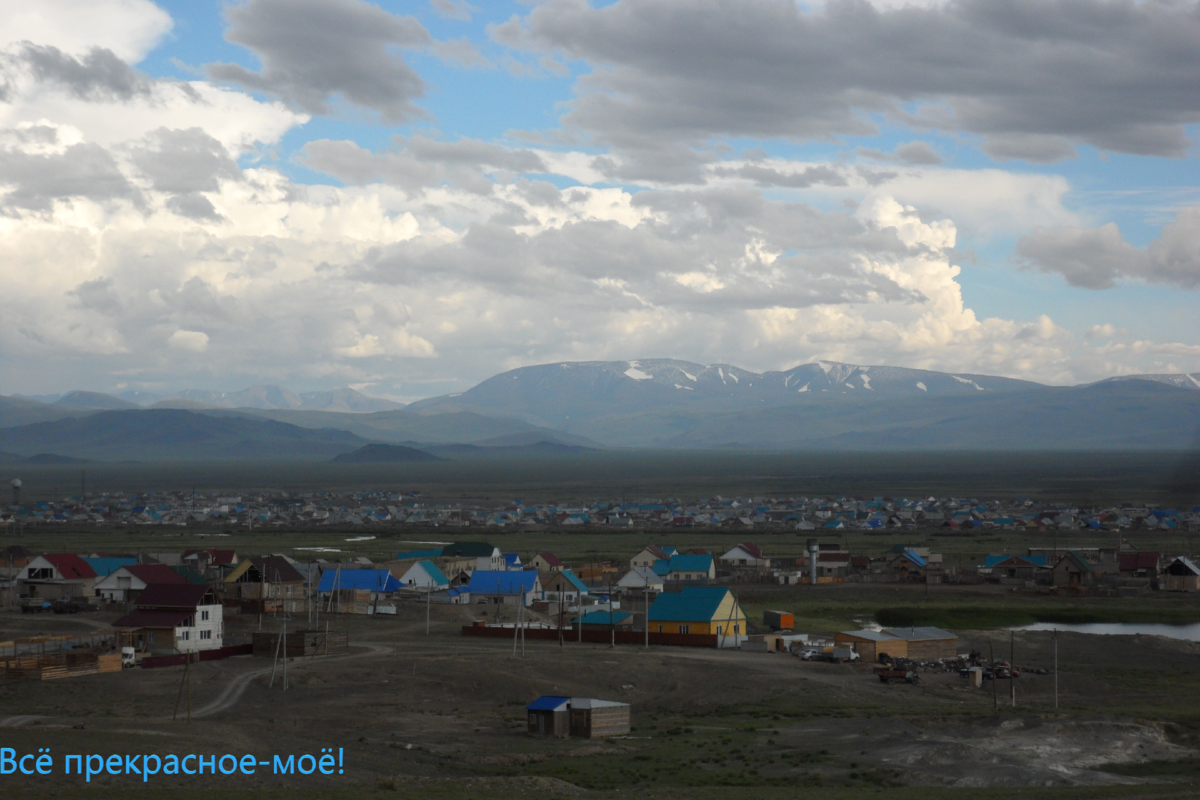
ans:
x=107 y=566
x=548 y=703
x=487 y=581
x=578 y=584
x=685 y=563
x=693 y=604
x=374 y=580
x=433 y=572
x=991 y=561
x=602 y=618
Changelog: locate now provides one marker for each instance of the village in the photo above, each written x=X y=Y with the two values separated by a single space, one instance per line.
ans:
x=843 y=616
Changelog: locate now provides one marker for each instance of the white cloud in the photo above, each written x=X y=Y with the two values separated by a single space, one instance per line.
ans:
x=191 y=341
x=129 y=28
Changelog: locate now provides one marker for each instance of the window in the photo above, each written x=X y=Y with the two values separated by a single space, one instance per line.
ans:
x=150 y=637
x=204 y=615
x=205 y=634
x=720 y=630
x=660 y=628
x=684 y=628
x=737 y=629
x=183 y=637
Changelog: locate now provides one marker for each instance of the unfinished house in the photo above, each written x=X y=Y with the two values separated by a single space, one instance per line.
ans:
x=127 y=583
x=265 y=584
x=57 y=576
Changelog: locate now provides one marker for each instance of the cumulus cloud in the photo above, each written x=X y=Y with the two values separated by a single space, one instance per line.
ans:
x=1034 y=79
x=454 y=9
x=82 y=170
x=312 y=50
x=191 y=341
x=1096 y=258
x=127 y=28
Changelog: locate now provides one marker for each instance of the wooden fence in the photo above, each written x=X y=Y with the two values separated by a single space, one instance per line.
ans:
x=596 y=636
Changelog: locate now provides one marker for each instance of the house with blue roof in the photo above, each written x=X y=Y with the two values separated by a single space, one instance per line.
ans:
x=594 y=620
x=106 y=566
x=426 y=576
x=706 y=610
x=504 y=587
x=687 y=567
x=562 y=585
x=379 y=582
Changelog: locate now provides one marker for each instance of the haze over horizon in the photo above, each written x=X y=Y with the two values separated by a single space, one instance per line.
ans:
x=410 y=198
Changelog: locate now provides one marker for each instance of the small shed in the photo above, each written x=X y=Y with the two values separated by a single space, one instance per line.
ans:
x=927 y=643
x=596 y=719
x=549 y=716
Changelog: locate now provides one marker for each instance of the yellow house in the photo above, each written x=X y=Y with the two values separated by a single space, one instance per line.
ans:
x=710 y=610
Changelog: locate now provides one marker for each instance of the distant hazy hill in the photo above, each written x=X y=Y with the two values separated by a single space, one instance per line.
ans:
x=92 y=400
x=276 y=397
x=22 y=411
x=513 y=451
x=384 y=454
x=560 y=395
x=158 y=434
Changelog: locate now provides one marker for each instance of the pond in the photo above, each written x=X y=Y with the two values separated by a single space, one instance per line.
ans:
x=1188 y=632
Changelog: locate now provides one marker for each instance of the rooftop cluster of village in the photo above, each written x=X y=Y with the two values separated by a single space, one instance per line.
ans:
x=377 y=508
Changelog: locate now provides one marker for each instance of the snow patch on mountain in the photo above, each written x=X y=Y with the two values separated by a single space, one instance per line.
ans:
x=637 y=374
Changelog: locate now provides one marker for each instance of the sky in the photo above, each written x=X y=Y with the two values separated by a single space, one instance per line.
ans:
x=408 y=198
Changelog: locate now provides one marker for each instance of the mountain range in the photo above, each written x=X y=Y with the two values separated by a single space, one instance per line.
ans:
x=572 y=407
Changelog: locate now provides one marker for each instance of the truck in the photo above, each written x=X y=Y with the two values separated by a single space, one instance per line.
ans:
x=896 y=669
x=34 y=605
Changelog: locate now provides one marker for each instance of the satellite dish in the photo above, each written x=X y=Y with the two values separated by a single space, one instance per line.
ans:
x=16 y=484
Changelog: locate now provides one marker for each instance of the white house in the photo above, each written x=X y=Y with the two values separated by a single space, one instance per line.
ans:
x=641 y=579
x=746 y=554
x=424 y=575
x=170 y=618
x=126 y=583
x=493 y=563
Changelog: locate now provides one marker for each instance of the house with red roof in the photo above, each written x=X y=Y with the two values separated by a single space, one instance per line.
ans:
x=127 y=582
x=175 y=618
x=546 y=562
x=746 y=554
x=1140 y=565
x=57 y=575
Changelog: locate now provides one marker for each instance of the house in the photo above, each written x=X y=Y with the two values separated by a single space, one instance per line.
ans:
x=562 y=586
x=1139 y=565
x=493 y=561
x=1181 y=575
x=512 y=561
x=212 y=563
x=265 y=583
x=584 y=717
x=127 y=583
x=1073 y=570
x=424 y=575
x=907 y=564
x=57 y=575
x=711 y=610
x=181 y=618
x=546 y=562
x=504 y=587
x=651 y=555
x=746 y=554
x=1028 y=568
x=641 y=579
x=604 y=620
x=686 y=568
x=377 y=583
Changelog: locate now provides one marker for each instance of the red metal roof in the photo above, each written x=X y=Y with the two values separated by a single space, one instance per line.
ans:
x=551 y=559
x=1132 y=562
x=155 y=573
x=752 y=549
x=143 y=618
x=162 y=595
x=70 y=566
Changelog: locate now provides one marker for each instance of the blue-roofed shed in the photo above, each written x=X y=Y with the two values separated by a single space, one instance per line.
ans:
x=424 y=575
x=549 y=716
x=689 y=567
x=605 y=619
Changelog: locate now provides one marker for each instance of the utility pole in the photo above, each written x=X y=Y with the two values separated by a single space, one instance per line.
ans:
x=1056 y=667
x=992 y=659
x=646 y=595
x=1012 y=667
x=428 y=601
